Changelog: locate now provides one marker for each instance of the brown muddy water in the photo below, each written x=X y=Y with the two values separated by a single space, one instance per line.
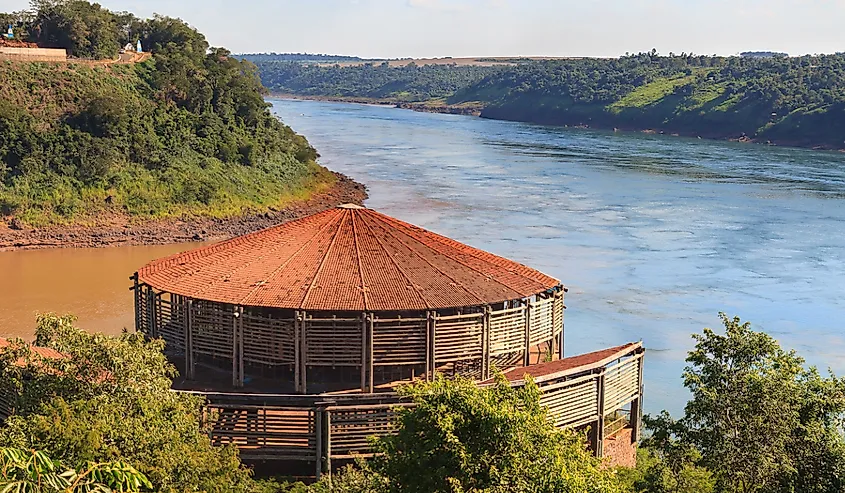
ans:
x=92 y=284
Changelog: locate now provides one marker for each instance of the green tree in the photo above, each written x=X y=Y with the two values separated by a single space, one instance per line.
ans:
x=665 y=464
x=463 y=438
x=109 y=399
x=758 y=421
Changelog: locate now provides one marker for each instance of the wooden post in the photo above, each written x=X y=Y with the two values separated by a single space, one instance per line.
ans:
x=600 y=429
x=370 y=363
x=186 y=316
x=189 y=347
x=303 y=360
x=562 y=343
x=527 y=360
x=136 y=293
x=433 y=344
x=151 y=314
x=297 y=356
x=637 y=405
x=235 y=379
x=318 y=428
x=328 y=425
x=363 y=352
x=485 y=344
x=428 y=345
x=240 y=346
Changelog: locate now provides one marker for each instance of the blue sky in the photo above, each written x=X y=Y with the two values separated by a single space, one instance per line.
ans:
x=429 y=28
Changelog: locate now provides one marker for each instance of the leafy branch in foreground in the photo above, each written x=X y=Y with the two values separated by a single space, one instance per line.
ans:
x=24 y=471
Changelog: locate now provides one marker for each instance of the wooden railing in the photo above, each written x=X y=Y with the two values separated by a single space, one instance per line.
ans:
x=465 y=341
x=320 y=428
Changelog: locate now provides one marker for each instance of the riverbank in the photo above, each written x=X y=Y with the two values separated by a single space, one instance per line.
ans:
x=477 y=109
x=432 y=106
x=121 y=230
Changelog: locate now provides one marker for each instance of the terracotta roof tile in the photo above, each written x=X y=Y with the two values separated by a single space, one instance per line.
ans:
x=572 y=364
x=345 y=259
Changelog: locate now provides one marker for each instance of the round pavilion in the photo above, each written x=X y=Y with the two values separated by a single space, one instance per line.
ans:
x=346 y=300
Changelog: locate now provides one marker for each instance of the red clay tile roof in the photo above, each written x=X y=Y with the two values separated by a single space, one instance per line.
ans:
x=345 y=259
x=573 y=364
x=40 y=351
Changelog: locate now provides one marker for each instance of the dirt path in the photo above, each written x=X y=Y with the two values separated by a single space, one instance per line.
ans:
x=120 y=231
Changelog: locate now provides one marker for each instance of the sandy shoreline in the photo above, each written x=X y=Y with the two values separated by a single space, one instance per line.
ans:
x=177 y=230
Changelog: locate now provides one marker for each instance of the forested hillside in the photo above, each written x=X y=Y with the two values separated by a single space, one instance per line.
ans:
x=400 y=84
x=187 y=132
x=791 y=101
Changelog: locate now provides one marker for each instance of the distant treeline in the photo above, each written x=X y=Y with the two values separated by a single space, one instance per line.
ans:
x=763 y=54
x=299 y=57
x=407 y=83
x=792 y=101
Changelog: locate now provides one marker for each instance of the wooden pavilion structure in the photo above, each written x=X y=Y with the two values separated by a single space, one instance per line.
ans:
x=348 y=295
x=297 y=334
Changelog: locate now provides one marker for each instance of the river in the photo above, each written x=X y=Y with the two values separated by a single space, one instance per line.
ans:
x=653 y=235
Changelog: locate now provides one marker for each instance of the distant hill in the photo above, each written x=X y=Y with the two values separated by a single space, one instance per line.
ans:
x=403 y=83
x=790 y=101
x=763 y=54
x=299 y=57
x=186 y=132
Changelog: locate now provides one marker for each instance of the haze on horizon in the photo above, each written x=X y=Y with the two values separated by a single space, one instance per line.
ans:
x=459 y=28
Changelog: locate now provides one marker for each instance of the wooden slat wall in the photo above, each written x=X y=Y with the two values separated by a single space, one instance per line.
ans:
x=170 y=317
x=268 y=340
x=352 y=426
x=399 y=341
x=142 y=315
x=212 y=329
x=621 y=384
x=264 y=431
x=458 y=338
x=542 y=321
x=507 y=331
x=571 y=403
x=333 y=341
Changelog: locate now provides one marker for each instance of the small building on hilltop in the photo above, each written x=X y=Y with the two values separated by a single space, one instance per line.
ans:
x=298 y=334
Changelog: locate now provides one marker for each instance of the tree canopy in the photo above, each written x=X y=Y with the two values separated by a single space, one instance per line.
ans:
x=484 y=439
x=758 y=422
x=109 y=400
x=186 y=132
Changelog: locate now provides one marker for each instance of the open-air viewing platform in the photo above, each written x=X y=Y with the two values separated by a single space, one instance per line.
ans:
x=298 y=334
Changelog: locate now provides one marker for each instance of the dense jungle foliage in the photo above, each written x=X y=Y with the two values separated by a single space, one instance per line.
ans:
x=379 y=81
x=792 y=101
x=186 y=132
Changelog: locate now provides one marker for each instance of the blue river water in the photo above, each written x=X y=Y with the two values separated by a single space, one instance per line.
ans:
x=653 y=235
